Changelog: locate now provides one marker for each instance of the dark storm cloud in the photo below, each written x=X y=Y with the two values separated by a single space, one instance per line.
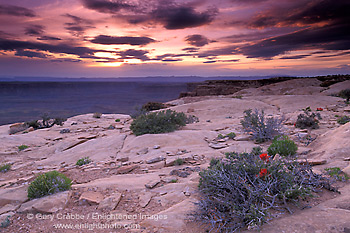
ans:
x=16 y=45
x=130 y=40
x=105 y=6
x=333 y=37
x=48 y=38
x=34 y=30
x=303 y=13
x=294 y=57
x=134 y=54
x=65 y=60
x=172 y=59
x=170 y=14
x=31 y=54
x=208 y=62
x=180 y=17
x=78 y=26
x=190 y=50
x=197 y=40
x=16 y=11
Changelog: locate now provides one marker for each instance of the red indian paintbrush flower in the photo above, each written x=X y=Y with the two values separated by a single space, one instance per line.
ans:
x=263 y=172
x=264 y=157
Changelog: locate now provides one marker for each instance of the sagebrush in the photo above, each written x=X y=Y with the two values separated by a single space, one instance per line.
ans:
x=158 y=122
x=47 y=184
x=308 y=119
x=240 y=190
x=262 y=128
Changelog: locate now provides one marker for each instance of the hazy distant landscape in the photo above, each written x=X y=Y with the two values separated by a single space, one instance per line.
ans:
x=24 y=101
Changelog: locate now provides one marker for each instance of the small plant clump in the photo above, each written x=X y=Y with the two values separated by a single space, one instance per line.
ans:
x=308 y=119
x=345 y=94
x=336 y=173
x=117 y=120
x=262 y=129
x=46 y=122
x=5 y=167
x=343 y=120
x=231 y=135
x=47 y=184
x=220 y=136
x=151 y=106
x=83 y=161
x=22 y=147
x=6 y=222
x=158 y=122
x=179 y=162
x=97 y=115
x=283 y=146
x=239 y=191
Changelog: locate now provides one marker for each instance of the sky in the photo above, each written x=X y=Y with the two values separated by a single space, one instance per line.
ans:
x=137 y=38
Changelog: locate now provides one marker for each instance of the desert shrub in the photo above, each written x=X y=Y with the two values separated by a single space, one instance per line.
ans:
x=35 y=124
x=158 y=122
x=220 y=136
x=238 y=191
x=47 y=184
x=83 y=161
x=336 y=173
x=179 y=162
x=282 y=146
x=262 y=129
x=6 y=222
x=97 y=115
x=22 y=147
x=191 y=119
x=231 y=135
x=345 y=94
x=5 y=167
x=117 y=120
x=46 y=122
x=308 y=119
x=151 y=106
x=343 y=120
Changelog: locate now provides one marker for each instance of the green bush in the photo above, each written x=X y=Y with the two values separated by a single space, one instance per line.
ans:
x=5 y=167
x=179 y=162
x=262 y=129
x=22 y=147
x=231 y=135
x=343 y=120
x=158 y=122
x=308 y=119
x=83 y=161
x=282 y=146
x=151 y=106
x=47 y=184
x=240 y=190
x=117 y=120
